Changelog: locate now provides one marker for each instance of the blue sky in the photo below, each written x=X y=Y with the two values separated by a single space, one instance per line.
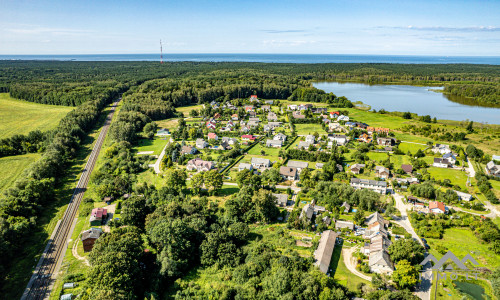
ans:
x=419 y=27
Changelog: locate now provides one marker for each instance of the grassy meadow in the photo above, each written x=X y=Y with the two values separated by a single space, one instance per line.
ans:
x=12 y=168
x=21 y=117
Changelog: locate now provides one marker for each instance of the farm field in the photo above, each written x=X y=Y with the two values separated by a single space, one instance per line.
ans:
x=15 y=166
x=21 y=117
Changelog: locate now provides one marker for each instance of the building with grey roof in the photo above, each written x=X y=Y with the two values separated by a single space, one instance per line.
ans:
x=323 y=254
x=377 y=186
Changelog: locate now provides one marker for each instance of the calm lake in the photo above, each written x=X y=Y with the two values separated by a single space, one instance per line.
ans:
x=415 y=99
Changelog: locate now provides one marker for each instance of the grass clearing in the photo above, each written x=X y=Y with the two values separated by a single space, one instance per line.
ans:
x=12 y=168
x=455 y=176
x=186 y=109
x=21 y=117
x=269 y=151
x=341 y=273
x=462 y=242
x=304 y=129
x=156 y=145
x=413 y=148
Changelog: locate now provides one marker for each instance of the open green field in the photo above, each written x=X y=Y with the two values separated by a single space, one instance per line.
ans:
x=156 y=145
x=413 y=148
x=304 y=129
x=456 y=176
x=378 y=156
x=398 y=160
x=186 y=109
x=270 y=151
x=13 y=166
x=462 y=242
x=21 y=117
x=342 y=274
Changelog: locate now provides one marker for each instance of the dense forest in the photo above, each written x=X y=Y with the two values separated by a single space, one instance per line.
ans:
x=71 y=83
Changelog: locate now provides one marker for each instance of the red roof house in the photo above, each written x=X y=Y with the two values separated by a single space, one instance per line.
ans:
x=248 y=137
x=212 y=136
x=98 y=215
x=437 y=207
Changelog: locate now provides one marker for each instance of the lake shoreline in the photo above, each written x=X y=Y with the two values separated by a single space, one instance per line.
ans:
x=418 y=99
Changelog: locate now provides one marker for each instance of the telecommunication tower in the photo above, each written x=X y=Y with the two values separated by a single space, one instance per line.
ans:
x=161 y=53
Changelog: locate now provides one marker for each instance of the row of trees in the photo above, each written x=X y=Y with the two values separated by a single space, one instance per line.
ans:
x=35 y=141
x=22 y=205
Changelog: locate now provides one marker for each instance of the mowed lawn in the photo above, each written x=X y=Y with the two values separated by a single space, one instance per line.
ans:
x=13 y=166
x=462 y=242
x=413 y=148
x=156 y=145
x=455 y=176
x=304 y=129
x=341 y=273
x=21 y=117
x=269 y=151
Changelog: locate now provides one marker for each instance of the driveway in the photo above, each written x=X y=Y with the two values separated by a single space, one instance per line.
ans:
x=424 y=289
x=350 y=262
x=158 y=161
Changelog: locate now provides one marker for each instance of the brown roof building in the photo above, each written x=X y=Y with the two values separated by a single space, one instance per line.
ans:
x=89 y=237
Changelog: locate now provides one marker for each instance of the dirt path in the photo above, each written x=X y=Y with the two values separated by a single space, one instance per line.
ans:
x=350 y=263
x=76 y=255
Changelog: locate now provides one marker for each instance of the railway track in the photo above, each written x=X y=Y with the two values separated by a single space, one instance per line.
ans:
x=45 y=273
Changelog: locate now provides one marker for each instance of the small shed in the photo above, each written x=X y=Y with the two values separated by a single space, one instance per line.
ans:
x=67 y=297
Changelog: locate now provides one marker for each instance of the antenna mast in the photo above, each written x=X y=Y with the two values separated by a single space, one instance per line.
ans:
x=161 y=53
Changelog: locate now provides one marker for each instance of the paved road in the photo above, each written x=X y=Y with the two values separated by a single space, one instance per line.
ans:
x=160 y=158
x=470 y=169
x=40 y=284
x=403 y=221
x=424 y=289
x=350 y=262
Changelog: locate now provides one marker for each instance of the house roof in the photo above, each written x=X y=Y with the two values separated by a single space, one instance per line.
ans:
x=186 y=149
x=258 y=160
x=380 y=258
x=212 y=135
x=274 y=142
x=344 y=224
x=245 y=166
x=98 y=213
x=369 y=182
x=297 y=164
x=438 y=160
x=288 y=171
x=92 y=233
x=281 y=199
x=323 y=253
x=407 y=168
x=248 y=136
x=373 y=218
x=308 y=211
x=304 y=144
x=438 y=205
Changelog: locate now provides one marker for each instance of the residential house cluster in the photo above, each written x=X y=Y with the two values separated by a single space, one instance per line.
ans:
x=379 y=260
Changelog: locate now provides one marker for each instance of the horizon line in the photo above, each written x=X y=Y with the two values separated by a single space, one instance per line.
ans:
x=259 y=53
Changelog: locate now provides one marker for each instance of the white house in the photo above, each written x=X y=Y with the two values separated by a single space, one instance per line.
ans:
x=243 y=166
x=201 y=144
x=440 y=163
x=310 y=139
x=441 y=148
x=274 y=143
x=260 y=162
